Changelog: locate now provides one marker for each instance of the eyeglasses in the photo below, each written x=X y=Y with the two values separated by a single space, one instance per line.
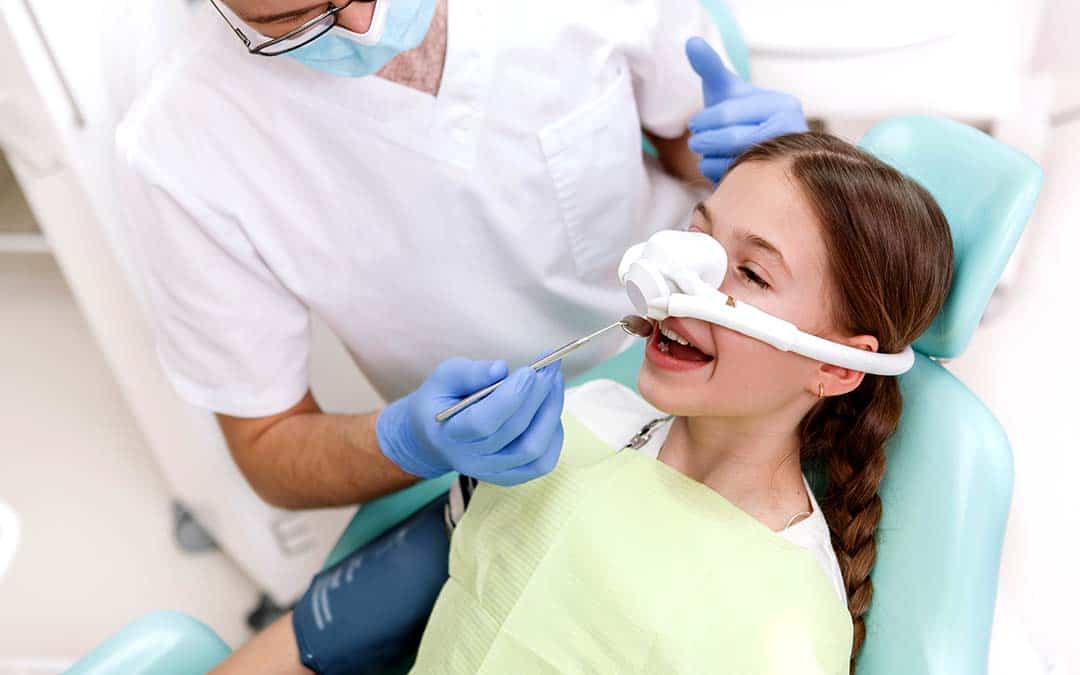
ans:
x=296 y=38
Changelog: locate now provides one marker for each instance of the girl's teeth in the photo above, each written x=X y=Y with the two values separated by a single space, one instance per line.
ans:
x=672 y=335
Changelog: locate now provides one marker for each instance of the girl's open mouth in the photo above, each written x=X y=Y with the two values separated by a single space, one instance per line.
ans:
x=670 y=350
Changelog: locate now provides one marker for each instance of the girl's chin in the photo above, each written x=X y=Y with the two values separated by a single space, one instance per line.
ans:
x=664 y=393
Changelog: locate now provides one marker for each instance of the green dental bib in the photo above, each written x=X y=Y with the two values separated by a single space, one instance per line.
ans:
x=617 y=563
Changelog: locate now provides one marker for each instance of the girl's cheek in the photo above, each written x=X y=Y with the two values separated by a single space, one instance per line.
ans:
x=729 y=343
x=749 y=359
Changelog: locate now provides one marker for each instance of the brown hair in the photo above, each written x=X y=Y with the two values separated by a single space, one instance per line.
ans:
x=891 y=260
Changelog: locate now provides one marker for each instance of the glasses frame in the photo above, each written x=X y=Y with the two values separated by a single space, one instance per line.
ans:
x=260 y=48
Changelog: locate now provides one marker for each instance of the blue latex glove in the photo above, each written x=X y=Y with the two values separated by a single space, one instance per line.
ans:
x=512 y=436
x=737 y=114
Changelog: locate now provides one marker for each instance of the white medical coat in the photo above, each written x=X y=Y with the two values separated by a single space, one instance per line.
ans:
x=486 y=221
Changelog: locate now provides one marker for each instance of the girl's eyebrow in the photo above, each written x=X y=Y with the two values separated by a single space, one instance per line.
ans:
x=754 y=240
x=766 y=247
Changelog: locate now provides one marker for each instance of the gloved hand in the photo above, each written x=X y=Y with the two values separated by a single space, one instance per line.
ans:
x=737 y=114
x=512 y=436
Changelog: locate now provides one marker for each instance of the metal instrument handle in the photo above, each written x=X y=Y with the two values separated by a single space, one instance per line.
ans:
x=536 y=365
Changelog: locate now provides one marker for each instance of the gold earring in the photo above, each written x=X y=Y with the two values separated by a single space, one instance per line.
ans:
x=820 y=390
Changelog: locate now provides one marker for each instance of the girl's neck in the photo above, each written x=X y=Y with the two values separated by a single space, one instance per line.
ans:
x=754 y=464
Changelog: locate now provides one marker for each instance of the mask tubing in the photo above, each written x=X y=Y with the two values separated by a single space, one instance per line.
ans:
x=783 y=335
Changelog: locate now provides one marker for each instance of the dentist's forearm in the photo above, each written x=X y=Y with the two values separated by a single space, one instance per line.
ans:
x=678 y=159
x=304 y=458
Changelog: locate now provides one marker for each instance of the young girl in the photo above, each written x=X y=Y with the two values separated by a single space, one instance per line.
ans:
x=701 y=547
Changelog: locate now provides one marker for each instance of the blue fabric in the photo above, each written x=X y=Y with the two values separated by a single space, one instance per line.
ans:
x=366 y=613
x=375 y=518
x=339 y=52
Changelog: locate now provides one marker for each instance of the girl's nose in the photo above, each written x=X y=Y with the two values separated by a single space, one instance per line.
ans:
x=729 y=282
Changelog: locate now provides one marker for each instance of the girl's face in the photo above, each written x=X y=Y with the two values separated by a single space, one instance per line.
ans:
x=776 y=262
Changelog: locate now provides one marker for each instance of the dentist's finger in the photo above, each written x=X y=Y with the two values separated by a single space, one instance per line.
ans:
x=458 y=377
x=533 y=443
x=714 y=168
x=717 y=82
x=549 y=379
x=729 y=141
x=542 y=466
x=753 y=109
x=523 y=390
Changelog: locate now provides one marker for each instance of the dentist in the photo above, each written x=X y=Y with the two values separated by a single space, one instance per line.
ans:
x=433 y=178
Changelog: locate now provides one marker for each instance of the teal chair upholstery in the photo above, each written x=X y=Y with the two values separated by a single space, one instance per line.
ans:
x=732 y=37
x=948 y=481
x=162 y=643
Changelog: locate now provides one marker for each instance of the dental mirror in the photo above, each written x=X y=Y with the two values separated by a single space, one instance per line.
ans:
x=631 y=325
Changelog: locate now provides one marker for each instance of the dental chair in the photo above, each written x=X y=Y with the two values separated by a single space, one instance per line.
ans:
x=948 y=483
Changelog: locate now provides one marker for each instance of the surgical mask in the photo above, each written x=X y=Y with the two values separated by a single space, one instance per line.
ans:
x=396 y=26
x=678 y=274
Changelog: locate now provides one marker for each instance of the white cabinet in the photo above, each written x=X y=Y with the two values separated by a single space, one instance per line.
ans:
x=19 y=232
x=58 y=116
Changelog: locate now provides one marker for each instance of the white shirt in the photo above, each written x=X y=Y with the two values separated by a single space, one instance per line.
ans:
x=615 y=414
x=486 y=222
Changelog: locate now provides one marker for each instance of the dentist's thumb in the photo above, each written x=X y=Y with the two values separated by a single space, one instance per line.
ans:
x=717 y=82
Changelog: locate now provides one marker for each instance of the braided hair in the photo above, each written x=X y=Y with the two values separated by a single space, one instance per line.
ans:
x=890 y=265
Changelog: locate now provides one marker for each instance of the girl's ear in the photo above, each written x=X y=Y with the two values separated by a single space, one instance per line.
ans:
x=837 y=380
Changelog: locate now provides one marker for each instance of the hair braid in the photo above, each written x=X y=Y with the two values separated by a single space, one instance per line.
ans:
x=891 y=263
x=848 y=433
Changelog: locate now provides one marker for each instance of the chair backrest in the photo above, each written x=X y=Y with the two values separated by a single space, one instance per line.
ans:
x=986 y=189
x=948 y=481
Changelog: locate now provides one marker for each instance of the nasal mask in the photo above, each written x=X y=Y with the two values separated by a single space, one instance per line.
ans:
x=396 y=26
x=677 y=273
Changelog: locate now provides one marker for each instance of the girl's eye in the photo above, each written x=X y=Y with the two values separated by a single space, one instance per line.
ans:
x=753 y=278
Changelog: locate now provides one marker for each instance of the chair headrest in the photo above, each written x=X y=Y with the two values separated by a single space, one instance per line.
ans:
x=986 y=190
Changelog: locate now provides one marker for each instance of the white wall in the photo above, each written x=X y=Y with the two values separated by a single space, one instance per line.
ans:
x=1058 y=48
